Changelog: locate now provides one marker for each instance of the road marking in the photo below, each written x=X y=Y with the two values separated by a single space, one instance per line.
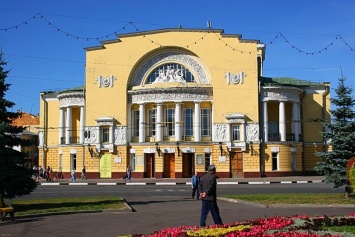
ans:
x=50 y=184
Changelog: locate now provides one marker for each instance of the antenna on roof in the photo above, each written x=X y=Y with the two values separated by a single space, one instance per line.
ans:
x=209 y=24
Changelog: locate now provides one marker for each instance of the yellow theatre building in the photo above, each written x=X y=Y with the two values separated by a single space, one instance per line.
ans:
x=171 y=102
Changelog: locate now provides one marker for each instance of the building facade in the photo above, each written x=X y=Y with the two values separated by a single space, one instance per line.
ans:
x=173 y=101
x=30 y=123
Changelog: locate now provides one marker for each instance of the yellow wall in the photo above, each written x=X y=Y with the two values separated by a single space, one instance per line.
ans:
x=118 y=59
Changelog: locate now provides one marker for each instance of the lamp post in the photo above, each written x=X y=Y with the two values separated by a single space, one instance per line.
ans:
x=178 y=148
x=157 y=148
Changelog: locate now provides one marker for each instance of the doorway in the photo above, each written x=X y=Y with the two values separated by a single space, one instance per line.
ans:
x=149 y=165
x=169 y=165
x=236 y=159
x=188 y=165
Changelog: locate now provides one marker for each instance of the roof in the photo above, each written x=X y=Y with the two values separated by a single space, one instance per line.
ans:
x=288 y=81
x=74 y=89
x=150 y=32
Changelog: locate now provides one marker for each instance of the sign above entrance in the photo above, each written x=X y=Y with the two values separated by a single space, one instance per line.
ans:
x=237 y=78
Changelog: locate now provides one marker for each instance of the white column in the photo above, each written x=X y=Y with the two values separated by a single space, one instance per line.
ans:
x=299 y=119
x=61 y=124
x=159 y=123
x=141 y=123
x=229 y=135
x=82 y=124
x=68 y=126
x=177 y=121
x=295 y=121
x=98 y=143
x=197 y=122
x=266 y=122
x=111 y=134
x=282 y=121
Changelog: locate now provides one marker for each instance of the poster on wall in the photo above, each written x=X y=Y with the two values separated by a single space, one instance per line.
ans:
x=199 y=159
x=139 y=160
x=105 y=166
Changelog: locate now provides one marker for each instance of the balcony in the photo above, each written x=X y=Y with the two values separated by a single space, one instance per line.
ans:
x=290 y=137
x=72 y=140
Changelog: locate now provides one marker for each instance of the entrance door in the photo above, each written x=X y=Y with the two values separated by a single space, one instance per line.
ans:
x=169 y=165
x=188 y=164
x=236 y=164
x=149 y=165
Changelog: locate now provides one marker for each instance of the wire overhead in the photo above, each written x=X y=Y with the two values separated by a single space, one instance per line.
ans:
x=98 y=38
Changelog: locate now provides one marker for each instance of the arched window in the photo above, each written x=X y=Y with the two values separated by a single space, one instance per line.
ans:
x=170 y=72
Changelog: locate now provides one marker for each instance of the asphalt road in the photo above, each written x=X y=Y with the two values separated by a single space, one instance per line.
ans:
x=174 y=190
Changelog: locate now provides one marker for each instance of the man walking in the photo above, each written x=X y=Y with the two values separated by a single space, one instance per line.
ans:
x=208 y=194
x=195 y=181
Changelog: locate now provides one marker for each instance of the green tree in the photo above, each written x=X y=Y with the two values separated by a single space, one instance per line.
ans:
x=15 y=179
x=341 y=133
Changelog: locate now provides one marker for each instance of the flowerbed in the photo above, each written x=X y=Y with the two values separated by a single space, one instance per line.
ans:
x=295 y=226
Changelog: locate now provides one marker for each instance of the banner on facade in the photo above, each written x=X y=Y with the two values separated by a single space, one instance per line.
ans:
x=105 y=166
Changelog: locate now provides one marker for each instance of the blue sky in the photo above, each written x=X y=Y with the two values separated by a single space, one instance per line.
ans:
x=305 y=39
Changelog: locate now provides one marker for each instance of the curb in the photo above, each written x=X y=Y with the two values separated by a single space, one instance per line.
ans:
x=177 y=183
x=261 y=205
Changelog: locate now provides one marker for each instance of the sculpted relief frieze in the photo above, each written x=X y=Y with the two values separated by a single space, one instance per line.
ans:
x=252 y=131
x=71 y=100
x=120 y=135
x=151 y=96
x=170 y=75
x=281 y=93
x=176 y=57
x=220 y=132
x=105 y=81
x=91 y=136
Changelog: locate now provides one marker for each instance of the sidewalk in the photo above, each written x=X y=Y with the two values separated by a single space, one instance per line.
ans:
x=187 y=181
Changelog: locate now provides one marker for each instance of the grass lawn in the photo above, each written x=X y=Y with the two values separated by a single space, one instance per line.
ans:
x=50 y=205
x=308 y=198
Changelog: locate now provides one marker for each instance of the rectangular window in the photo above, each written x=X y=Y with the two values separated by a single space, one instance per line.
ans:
x=169 y=128
x=73 y=161
x=135 y=123
x=236 y=133
x=152 y=118
x=133 y=161
x=105 y=135
x=205 y=122
x=60 y=162
x=275 y=161
x=207 y=160
x=188 y=122
x=274 y=134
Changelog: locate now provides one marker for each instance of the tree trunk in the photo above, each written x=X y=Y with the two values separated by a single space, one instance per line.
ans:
x=347 y=192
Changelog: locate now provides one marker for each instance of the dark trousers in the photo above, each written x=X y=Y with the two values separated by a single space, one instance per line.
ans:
x=208 y=206
x=195 y=191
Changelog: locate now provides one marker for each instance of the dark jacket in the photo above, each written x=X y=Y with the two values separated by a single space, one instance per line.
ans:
x=208 y=185
x=195 y=180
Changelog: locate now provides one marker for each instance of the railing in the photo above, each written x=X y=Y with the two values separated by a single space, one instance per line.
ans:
x=72 y=140
x=276 y=137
